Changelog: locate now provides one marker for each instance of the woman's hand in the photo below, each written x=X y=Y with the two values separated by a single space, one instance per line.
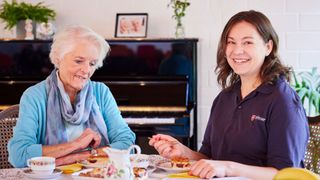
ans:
x=209 y=168
x=168 y=146
x=88 y=137
x=72 y=158
x=76 y=157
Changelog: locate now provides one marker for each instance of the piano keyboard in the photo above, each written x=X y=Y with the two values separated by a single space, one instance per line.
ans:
x=150 y=120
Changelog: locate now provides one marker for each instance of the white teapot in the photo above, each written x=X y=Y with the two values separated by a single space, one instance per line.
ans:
x=119 y=166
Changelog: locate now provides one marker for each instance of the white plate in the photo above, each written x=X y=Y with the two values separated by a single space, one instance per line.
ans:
x=158 y=173
x=92 y=165
x=139 y=160
x=168 y=167
x=224 y=178
x=98 y=164
x=155 y=159
x=76 y=175
x=30 y=174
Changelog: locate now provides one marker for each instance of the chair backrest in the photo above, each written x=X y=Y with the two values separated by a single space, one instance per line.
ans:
x=312 y=156
x=292 y=173
x=8 y=119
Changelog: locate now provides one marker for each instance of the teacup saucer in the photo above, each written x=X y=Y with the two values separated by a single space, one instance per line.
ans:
x=30 y=174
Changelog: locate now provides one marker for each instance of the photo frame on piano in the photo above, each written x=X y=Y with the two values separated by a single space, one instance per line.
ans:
x=131 y=25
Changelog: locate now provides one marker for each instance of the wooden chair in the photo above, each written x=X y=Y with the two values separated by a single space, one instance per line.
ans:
x=312 y=156
x=8 y=119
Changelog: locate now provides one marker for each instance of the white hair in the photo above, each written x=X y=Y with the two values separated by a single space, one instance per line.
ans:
x=65 y=39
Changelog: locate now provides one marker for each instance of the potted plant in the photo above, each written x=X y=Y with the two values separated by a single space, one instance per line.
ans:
x=179 y=8
x=307 y=85
x=14 y=12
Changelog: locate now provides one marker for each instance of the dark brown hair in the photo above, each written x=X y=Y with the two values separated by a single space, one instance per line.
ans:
x=271 y=69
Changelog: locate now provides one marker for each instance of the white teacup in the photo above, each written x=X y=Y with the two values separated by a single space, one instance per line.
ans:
x=42 y=165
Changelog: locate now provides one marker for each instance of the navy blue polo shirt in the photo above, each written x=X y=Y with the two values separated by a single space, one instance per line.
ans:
x=267 y=128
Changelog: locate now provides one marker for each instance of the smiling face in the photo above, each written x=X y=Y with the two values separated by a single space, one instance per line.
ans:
x=77 y=66
x=246 y=50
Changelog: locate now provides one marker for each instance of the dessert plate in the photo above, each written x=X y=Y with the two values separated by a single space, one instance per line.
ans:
x=30 y=174
x=77 y=176
x=155 y=159
x=168 y=167
x=95 y=162
x=139 y=160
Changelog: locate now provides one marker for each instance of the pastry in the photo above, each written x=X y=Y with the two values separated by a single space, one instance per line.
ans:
x=96 y=173
x=97 y=161
x=140 y=173
x=180 y=162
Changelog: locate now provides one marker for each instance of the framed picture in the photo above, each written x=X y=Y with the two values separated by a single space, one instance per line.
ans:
x=131 y=25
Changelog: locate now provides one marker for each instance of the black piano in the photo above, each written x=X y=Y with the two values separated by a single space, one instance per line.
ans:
x=154 y=82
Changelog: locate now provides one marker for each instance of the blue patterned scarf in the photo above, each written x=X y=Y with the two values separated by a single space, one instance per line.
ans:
x=59 y=110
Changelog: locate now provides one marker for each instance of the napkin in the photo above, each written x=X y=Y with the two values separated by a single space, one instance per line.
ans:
x=182 y=175
x=69 y=169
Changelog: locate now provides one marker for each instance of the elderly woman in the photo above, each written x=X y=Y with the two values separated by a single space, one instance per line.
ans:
x=67 y=113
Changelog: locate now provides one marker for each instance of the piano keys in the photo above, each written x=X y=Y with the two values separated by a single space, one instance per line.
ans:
x=146 y=120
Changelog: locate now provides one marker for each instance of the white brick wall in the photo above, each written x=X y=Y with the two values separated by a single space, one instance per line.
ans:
x=310 y=22
x=296 y=21
x=302 y=41
x=305 y=6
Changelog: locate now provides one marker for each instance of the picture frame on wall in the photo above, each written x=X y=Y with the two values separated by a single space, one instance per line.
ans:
x=131 y=25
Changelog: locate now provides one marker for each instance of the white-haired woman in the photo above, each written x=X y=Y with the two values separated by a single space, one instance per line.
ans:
x=67 y=113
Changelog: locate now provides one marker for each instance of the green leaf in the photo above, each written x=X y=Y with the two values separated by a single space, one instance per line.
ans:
x=307 y=86
x=12 y=13
x=179 y=8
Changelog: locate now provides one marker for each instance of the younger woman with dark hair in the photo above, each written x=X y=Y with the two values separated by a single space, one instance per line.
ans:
x=257 y=123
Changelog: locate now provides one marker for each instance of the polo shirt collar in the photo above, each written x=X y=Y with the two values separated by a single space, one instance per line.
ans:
x=265 y=88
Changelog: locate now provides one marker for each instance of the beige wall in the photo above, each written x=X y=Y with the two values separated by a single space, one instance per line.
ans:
x=297 y=23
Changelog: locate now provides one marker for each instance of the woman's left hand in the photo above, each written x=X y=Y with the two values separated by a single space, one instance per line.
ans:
x=88 y=138
x=76 y=157
x=72 y=158
x=209 y=168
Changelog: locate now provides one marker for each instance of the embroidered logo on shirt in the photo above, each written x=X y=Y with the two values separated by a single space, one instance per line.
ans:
x=256 y=117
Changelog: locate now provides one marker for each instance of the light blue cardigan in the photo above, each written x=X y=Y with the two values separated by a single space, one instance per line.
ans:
x=30 y=131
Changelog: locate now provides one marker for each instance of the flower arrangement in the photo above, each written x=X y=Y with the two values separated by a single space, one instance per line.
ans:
x=179 y=8
x=13 y=12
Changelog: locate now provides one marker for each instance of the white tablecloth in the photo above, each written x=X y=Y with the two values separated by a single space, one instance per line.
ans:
x=17 y=174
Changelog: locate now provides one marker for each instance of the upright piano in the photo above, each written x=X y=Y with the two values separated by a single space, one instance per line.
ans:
x=154 y=82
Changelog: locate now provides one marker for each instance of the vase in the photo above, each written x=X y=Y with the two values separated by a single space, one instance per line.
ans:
x=21 y=31
x=28 y=27
x=45 y=31
x=179 y=31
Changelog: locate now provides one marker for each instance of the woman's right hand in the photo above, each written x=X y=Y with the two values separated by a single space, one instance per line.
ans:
x=88 y=138
x=167 y=146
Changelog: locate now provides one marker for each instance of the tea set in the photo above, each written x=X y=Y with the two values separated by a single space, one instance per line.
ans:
x=120 y=163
